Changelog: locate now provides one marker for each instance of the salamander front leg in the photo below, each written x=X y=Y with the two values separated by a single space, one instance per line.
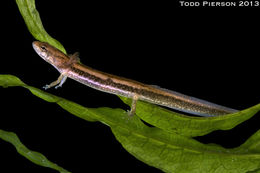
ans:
x=58 y=83
x=133 y=106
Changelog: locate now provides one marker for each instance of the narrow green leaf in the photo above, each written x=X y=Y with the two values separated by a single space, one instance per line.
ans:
x=167 y=151
x=33 y=156
x=187 y=125
x=33 y=21
x=10 y=81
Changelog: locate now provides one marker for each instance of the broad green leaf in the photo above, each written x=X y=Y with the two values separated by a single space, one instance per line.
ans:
x=252 y=145
x=175 y=153
x=34 y=24
x=187 y=125
x=167 y=151
x=33 y=156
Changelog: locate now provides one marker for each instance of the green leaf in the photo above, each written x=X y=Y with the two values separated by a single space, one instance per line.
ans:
x=167 y=151
x=10 y=80
x=252 y=145
x=175 y=153
x=33 y=156
x=187 y=125
x=33 y=21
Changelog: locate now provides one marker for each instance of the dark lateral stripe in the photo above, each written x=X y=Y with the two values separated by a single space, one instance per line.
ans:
x=110 y=82
x=182 y=104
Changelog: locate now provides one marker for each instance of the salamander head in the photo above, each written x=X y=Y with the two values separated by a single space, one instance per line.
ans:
x=49 y=53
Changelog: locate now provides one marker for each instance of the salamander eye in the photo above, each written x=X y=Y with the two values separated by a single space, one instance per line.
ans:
x=43 y=48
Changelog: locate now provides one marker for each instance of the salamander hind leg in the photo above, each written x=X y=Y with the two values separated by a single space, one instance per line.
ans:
x=133 y=106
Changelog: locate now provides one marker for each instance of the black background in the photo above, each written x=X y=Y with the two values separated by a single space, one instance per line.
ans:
x=209 y=53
